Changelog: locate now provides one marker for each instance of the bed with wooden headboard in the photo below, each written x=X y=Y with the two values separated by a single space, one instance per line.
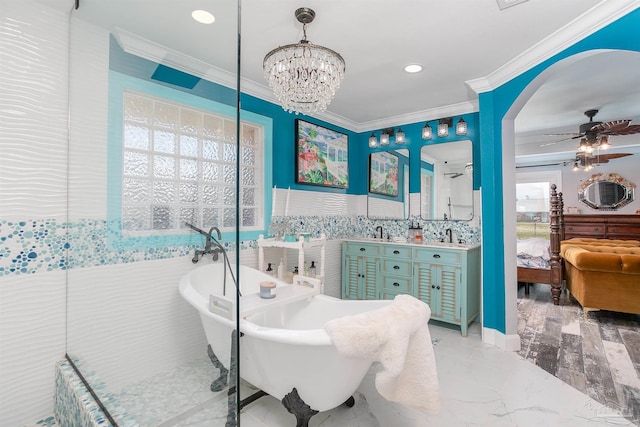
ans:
x=539 y=259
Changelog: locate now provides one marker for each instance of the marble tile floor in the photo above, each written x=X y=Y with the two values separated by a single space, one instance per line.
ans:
x=481 y=385
x=599 y=357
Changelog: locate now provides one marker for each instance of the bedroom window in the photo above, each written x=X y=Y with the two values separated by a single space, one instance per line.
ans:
x=532 y=202
x=179 y=165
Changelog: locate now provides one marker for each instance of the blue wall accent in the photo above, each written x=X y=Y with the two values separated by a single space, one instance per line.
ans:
x=494 y=106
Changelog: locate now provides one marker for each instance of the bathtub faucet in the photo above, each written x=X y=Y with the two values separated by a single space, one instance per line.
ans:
x=212 y=246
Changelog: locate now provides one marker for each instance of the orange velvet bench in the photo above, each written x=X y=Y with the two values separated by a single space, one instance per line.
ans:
x=603 y=276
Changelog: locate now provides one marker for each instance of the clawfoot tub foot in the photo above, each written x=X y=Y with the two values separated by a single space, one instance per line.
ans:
x=350 y=402
x=221 y=382
x=296 y=406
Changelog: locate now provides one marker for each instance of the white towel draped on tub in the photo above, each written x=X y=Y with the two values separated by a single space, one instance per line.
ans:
x=398 y=337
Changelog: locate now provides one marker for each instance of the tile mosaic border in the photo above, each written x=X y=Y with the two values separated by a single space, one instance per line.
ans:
x=35 y=246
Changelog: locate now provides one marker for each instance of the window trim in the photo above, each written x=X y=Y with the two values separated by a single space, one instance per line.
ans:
x=118 y=84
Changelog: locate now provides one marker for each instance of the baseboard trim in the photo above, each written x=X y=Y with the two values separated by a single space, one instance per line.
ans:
x=500 y=340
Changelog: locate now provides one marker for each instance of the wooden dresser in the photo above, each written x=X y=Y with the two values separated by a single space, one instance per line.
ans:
x=599 y=226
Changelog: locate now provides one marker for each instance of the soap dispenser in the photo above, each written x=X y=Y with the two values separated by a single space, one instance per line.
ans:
x=312 y=269
x=269 y=270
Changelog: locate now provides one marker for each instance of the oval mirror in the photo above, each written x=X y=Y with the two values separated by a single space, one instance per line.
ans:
x=446 y=181
x=606 y=192
x=388 y=196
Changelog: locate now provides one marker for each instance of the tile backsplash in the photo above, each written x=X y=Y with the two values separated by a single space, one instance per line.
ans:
x=32 y=246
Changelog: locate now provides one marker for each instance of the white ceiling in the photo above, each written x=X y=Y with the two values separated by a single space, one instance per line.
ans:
x=455 y=41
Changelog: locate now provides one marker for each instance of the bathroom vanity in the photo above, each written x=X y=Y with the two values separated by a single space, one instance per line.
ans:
x=445 y=276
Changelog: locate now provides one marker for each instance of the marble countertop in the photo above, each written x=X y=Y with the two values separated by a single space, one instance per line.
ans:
x=426 y=243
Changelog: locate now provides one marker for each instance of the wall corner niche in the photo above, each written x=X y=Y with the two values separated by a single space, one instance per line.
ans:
x=606 y=192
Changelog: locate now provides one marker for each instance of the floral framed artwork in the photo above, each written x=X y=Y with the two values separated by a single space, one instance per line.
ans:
x=383 y=173
x=322 y=156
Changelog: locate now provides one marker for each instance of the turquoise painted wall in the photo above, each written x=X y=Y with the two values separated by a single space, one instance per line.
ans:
x=622 y=34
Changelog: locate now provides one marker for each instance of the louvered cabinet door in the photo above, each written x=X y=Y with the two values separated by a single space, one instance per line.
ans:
x=425 y=289
x=447 y=282
x=350 y=278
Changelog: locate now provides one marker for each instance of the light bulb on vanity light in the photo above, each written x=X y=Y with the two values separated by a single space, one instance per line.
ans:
x=443 y=128
x=373 y=141
x=461 y=127
x=427 y=132
x=384 y=138
x=400 y=137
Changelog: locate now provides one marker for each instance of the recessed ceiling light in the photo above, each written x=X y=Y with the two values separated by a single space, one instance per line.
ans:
x=413 y=68
x=503 y=4
x=203 y=16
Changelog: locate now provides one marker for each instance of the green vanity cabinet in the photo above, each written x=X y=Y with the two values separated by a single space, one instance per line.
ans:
x=446 y=278
x=359 y=270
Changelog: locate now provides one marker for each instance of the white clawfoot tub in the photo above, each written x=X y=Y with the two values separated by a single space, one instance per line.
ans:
x=284 y=345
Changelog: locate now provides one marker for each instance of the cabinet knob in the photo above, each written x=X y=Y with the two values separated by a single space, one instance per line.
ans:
x=396 y=284
x=436 y=255
x=396 y=252
x=437 y=287
x=362 y=249
x=396 y=267
x=433 y=286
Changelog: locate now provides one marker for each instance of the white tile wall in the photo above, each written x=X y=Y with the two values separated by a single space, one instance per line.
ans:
x=33 y=165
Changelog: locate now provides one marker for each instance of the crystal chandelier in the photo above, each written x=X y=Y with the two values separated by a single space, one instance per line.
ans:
x=303 y=76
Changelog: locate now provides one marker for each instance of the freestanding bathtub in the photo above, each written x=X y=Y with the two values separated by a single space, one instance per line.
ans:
x=284 y=345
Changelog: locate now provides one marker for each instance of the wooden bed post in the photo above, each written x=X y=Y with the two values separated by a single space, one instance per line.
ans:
x=555 y=220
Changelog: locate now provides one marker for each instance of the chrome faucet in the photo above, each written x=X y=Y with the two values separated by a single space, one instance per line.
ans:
x=449 y=233
x=209 y=242
x=379 y=230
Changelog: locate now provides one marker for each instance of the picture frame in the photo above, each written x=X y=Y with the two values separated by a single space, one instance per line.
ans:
x=383 y=173
x=322 y=156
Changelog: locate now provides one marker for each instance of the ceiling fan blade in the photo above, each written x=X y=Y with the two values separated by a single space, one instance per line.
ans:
x=546 y=144
x=629 y=130
x=611 y=156
x=611 y=127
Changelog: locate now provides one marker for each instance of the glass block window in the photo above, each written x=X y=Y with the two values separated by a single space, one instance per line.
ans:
x=180 y=164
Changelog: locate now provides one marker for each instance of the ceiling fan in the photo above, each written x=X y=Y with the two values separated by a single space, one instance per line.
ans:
x=596 y=132
x=581 y=161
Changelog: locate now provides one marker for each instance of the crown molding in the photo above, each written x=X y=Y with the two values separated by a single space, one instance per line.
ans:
x=583 y=26
x=155 y=52
x=420 y=116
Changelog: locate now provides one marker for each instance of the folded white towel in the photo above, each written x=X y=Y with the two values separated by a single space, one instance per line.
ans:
x=398 y=337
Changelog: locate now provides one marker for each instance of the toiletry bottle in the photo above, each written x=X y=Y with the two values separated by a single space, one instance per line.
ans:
x=269 y=270
x=312 y=269
x=281 y=270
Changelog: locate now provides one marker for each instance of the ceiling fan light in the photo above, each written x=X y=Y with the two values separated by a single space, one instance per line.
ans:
x=583 y=145
x=427 y=132
x=604 y=142
x=575 y=167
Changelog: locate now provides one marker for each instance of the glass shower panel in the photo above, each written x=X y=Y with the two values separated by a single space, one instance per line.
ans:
x=152 y=150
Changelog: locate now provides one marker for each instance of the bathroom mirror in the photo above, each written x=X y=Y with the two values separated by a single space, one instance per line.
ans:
x=446 y=181
x=388 y=196
x=606 y=192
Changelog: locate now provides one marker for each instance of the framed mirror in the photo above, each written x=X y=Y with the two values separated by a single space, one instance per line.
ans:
x=606 y=192
x=446 y=181
x=388 y=192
